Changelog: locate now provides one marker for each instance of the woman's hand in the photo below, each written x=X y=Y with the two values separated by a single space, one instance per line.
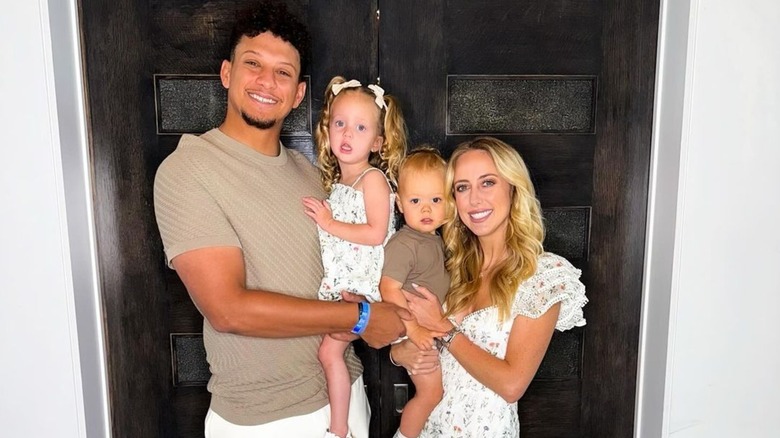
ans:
x=425 y=306
x=416 y=361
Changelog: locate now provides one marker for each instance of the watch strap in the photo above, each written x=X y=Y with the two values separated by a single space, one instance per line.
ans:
x=446 y=339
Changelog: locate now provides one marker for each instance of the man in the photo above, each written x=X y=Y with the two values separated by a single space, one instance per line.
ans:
x=229 y=212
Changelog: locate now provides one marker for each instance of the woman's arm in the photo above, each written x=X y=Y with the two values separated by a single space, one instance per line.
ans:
x=376 y=196
x=391 y=291
x=416 y=361
x=527 y=345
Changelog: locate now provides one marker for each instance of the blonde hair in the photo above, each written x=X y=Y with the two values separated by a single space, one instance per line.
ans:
x=524 y=233
x=392 y=129
x=423 y=158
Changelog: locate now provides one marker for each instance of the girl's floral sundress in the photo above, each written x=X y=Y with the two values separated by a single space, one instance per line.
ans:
x=350 y=266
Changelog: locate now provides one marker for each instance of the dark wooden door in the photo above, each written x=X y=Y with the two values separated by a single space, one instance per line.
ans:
x=569 y=83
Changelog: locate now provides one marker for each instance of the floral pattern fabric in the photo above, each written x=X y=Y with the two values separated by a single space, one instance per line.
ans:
x=469 y=408
x=350 y=266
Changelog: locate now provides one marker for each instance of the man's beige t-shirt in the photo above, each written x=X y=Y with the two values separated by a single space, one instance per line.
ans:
x=214 y=191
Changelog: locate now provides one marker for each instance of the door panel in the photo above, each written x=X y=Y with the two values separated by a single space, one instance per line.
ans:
x=133 y=296
x=621 y=166
x=568 y=83
x=524 y=74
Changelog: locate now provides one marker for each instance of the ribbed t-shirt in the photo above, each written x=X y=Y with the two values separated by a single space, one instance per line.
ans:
x=415 y=257
x=214 y=191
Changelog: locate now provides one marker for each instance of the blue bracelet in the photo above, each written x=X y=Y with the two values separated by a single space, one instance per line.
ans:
x=364 y=313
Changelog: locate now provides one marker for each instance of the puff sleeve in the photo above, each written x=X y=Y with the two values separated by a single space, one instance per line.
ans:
x=555 y=281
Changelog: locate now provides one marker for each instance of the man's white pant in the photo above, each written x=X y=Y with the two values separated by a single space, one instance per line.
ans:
x=303 y=426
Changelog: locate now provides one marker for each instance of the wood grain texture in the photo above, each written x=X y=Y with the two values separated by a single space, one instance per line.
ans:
x=532 y=37
x=547 y=400
x=192 y=36
x=413 y=65
x=620 y=181
x=343 y=44
x=118 y=83
x=189 y=407
x=561 y=166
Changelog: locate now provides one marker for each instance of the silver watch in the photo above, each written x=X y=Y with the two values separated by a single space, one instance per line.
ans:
x=446 y=339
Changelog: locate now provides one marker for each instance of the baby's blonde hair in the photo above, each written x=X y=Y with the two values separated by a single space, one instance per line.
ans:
x=423 y=158
x=392 y=129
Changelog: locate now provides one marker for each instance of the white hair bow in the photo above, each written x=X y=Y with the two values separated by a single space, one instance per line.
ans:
x=354 y=83
x=380 y=95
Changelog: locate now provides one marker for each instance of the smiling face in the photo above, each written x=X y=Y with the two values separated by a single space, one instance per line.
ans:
x=482 y=197
x=421 y=199
x=262 y=82
x=354 y=130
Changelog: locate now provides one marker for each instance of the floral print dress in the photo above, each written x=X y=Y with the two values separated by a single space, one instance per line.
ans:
x=469 y=408
x=350 y=266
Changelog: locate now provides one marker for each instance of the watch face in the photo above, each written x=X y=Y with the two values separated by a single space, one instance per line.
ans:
x=444 y=341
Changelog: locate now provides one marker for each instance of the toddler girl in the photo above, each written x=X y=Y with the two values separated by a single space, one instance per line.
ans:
x=361 y=138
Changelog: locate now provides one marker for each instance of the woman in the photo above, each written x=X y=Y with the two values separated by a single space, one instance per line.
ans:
x=507 y=295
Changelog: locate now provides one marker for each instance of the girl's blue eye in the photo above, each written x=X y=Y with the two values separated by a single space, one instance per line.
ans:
x=461 y=188
x=361 y=128
x=488 y=183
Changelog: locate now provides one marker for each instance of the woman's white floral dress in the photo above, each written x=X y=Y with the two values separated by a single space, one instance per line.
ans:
x=350 y=266
x=469 y=409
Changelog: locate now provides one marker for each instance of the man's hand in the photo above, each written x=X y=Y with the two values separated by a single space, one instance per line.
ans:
x=348 y=297
x=385 y=324
x=382 y=326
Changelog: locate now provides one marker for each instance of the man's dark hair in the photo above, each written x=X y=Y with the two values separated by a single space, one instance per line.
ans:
x=272 y=16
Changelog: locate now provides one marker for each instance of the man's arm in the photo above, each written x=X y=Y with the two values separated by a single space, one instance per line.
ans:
x=215 y=280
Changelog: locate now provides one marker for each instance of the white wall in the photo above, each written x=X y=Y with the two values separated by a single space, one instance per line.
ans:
x=52 y=368
x=712 y=268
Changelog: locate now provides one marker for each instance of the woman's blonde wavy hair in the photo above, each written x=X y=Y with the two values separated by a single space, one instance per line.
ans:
x=392 y=129
x=524 y=233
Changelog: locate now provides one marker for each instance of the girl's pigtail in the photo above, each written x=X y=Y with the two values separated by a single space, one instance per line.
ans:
x=394 y=144
x=329 y=166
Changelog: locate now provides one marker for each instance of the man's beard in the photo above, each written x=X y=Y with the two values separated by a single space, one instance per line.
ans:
x=257 y=123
